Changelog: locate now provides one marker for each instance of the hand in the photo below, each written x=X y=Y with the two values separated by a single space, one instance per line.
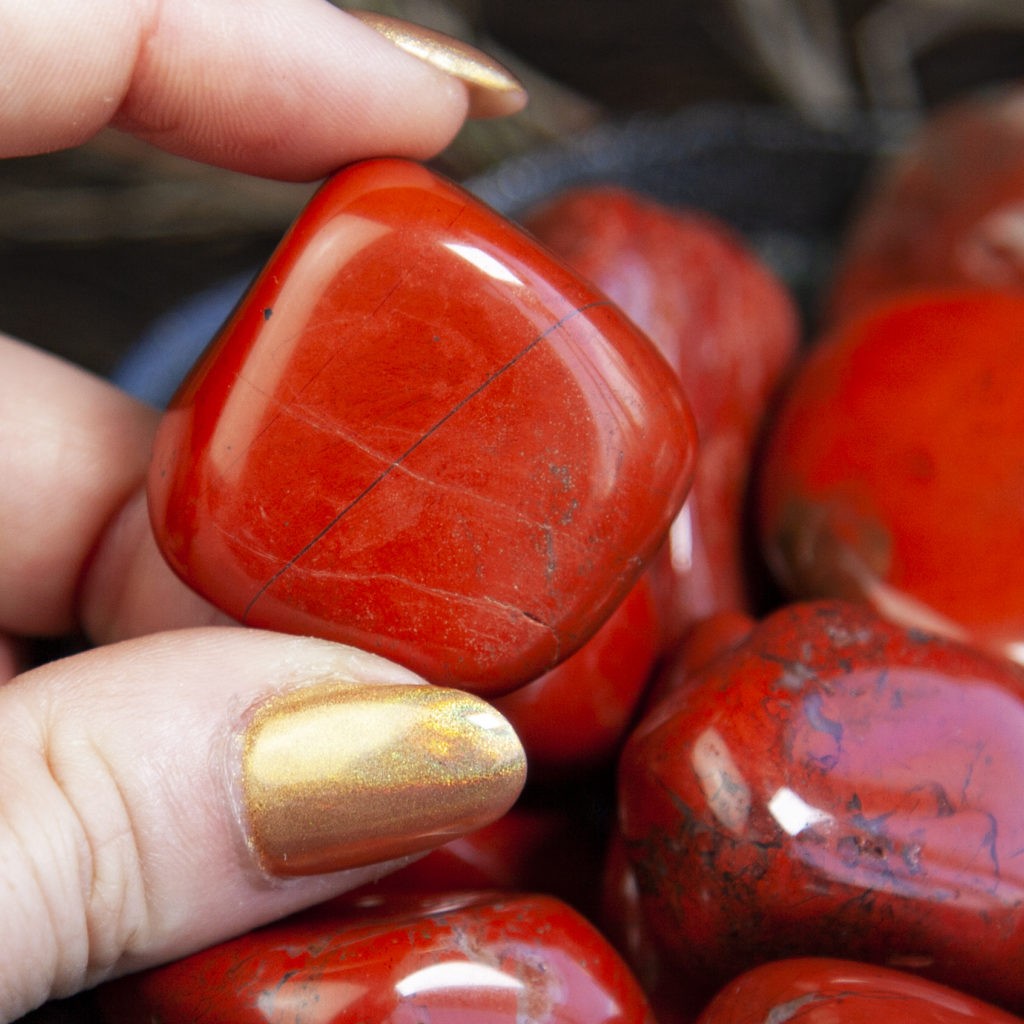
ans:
x=141 y=810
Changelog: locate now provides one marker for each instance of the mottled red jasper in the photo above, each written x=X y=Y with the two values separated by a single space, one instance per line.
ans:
x=836 y=785
x=674 y=998
x=729 y=329
x=946 y=211
x=894 y=470
x=422 y=435
x=824 y=991
x=474 y=959
x=575 y=717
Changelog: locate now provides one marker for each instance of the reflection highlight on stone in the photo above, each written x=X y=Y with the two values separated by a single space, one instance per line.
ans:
x=793 y=813
x=455 y=974
x=484 y=262
x=724 y=788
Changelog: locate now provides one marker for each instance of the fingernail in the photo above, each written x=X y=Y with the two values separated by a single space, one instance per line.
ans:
x=338 y=775
x=493 y=90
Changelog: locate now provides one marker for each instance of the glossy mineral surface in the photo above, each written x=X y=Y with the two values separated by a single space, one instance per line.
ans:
x=945 y=211
x=727 y=327
x=894 y=470
x=835 y=785
x=447 y=960
x=575 y=717
x=422 y=435
x=822 y=991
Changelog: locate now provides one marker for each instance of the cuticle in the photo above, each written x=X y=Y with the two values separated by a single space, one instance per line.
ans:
x=231 y=768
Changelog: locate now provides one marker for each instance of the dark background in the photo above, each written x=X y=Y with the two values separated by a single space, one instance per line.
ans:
x=96 y=242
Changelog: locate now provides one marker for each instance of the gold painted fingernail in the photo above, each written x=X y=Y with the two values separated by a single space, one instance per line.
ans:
x=338 y=775
x=493 y=90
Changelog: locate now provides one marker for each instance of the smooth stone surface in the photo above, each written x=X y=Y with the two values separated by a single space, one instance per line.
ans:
x=893 y=471
x=422 y=435
x=474 y=959
x=729 y=329
x=839 y=786
x=946 y=210
x=823 y=991
x=574 y=718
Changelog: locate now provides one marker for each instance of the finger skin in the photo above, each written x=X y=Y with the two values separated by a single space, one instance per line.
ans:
x=72 y=451
x=128 y=590
x=282 y=88
x=120 y=842
x=75 y=544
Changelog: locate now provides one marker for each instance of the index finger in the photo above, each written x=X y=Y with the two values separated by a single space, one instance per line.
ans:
x=281 y=88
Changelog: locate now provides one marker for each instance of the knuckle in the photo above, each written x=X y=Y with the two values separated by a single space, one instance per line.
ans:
x=68 y=841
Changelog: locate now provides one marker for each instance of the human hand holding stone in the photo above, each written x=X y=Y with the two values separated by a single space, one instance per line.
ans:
x=146 y=806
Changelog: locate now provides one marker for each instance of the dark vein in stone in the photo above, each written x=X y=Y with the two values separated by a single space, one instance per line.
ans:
x=433 y=429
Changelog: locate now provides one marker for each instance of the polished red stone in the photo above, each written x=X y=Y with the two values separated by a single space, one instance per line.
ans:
x=944 y=211
x=542 y=845
x=894 y=470
x=575 y=717
x=711 y=638
x=674 y=997
x=471 y=959
x=840 y=786
x=824 y=991
x=422 y=435
x=729 y=329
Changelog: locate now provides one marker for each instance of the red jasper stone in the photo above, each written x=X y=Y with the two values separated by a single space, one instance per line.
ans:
x=823 y=991
x=840 y=786
x=946 y=211
x=422 y=435
x=894 y=470
x=474 y=959
x=709 y=639
x=539 y=846
x=575 y=717
x=674 y=998
x=728 y=328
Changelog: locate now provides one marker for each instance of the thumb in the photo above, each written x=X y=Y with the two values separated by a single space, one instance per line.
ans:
x=163 y=794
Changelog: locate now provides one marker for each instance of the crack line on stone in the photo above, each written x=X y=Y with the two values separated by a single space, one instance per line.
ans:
x=433 y=429
x=309 y=328
x=326 y=426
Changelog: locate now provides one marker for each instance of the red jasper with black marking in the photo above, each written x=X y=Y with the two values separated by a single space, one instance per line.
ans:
x=835 y=785
x=823 y=991
x=471 y=958
x=423 y=435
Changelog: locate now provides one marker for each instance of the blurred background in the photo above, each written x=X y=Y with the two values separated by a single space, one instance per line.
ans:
x=95 y=243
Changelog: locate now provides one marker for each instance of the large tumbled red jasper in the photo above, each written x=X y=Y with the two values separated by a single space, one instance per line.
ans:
x=835 y=785
x=422 y=435
x=446 y=959
x=823 y=991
